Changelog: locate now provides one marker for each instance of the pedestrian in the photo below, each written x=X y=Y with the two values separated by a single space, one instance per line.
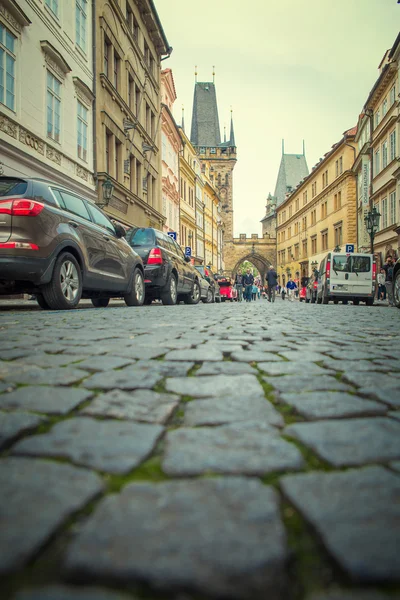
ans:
x=248 y=280
x=388 y=268
x=283 y=292
x=272 y=282
x=291 y=288
x=254 y=292
x=381 y=278
x=259 y=288
x=239 y=286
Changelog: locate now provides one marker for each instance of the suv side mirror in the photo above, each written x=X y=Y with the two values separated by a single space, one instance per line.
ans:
x=119 y=230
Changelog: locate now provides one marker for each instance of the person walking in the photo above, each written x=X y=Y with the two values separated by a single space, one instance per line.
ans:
x=239 y=286
x=248 y=281
x=388 y=268
x=254 y=291
x=291 y=288
x=380 y=279
x=272 y=282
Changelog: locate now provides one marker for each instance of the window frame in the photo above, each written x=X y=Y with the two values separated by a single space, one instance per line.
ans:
x=56 y=100
x=81 y=10
x=11 y=54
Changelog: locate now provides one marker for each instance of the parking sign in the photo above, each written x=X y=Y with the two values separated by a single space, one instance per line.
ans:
x=188 y=251
x=172 y=234
x=349 y=248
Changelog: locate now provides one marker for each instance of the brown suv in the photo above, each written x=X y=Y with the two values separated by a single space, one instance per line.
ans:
x=61 y=247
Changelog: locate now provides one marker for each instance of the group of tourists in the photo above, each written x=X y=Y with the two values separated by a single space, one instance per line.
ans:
x=250 y=288
x=385 y=281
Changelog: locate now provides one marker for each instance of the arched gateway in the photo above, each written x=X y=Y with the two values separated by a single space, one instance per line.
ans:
x=221 y=158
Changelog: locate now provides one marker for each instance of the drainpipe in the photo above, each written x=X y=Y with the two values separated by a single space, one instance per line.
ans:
x=94 y=128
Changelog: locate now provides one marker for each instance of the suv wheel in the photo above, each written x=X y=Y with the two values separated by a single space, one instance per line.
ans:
x=194 y=297
x=396 y=289
x=42 y=302
x=169 y=294
x=100 y=302
x=64 y=290
x=210 y=297
x=137 y=294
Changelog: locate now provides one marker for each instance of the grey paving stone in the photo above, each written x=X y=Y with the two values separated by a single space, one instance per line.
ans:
x=255 y=356
x=356 y=513
x=330 y=405
x=103 y=363
x=352 y=366
x=302 y=356
x=243 y=386
x=352 y=442
x=395 y=414
x=285 y=367
x=47 y=360
x=63 y=592
x=28 y=485
x=109 y=445
x=13 y=424
x=233 y=545
x=136 y=376
x=223 y=346
x=249 y=448
x=140 y=351
x=220 y=411
x=142 y=405
x=390 y=394
x=225 y=368
x=195 y=354
x=372 y=380
x=355 y=354
x=351 y=594
x=307 y=383
x=395 y=465
x=47 y=399
x=14 y=353
x=35 y=375
x=5 y=387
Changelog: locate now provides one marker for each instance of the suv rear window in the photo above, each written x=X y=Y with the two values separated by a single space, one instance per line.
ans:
x=12 y=187
x=142 y=237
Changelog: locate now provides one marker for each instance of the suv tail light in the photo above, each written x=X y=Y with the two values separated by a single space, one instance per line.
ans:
x=18 y=246
x=155 y=257
x=22 y=207
x=374 y=271
x=328 y=269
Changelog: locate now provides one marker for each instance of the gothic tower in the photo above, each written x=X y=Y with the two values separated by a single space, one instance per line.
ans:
x=219 y=156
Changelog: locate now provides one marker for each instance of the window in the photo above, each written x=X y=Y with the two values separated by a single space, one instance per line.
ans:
x=296 y=228
x=7 y=67
x=314 y=189
x=53 y=107
x=314 y=245
x=377 y=118
x=304 y=198
x=313 y=215
x=337 y=168
x=325 y=179
x=108 y=152
x=392 y=139
x=296 y=251
x=283 y=236
x=279 y=238
x=53 y=6
x=118 y=148
x=107 y=56
x=82 y=131
x=117 y=62
x=289 y=233
x=338 y=234
x=304 y=223
x=324 y=239
x=324 y=209
x=377 y=161
x=137 y=101
x=392 y=95
x=384 y=213
x=392 y=208
x=384 y=107
x=289 y=253
x=337 y=201
x=296 y=205
x=384 y=154
x=304 y=248
x=340 y=165
x=75 y=205
x=290 y=211
x=80 y=23
x=100 y=218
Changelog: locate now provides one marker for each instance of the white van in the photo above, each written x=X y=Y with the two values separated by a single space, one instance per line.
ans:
x=344 y=277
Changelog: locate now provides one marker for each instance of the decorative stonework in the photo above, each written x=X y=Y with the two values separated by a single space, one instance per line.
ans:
x=82 y=173
x=82 y=91
x=54 y=66
x=30 y=140
x=54 y=59
x=8 y=126
x=119 y=205
x=10 y=19
x=53 y=155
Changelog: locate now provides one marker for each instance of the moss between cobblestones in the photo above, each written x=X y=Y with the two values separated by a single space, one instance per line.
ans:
x=194 y=369
x=160 y=387
x=186 y=398
x=150 y=470
x=312 y=461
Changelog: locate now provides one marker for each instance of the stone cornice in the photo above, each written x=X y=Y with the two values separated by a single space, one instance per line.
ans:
x=54 y=59
x=83 y=91
x=14 y=15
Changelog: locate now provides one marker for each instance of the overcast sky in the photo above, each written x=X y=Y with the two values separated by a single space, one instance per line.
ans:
x=290 y=69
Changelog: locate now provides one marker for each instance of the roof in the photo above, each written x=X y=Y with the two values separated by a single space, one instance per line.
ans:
x=292 y=170
x=205 y=122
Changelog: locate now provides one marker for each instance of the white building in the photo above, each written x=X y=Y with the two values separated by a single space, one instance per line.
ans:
x=46 y=91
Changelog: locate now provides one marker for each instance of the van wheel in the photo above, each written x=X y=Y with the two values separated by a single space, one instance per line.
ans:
x=345 y=301
x=194 y=297
x=369 y=301
x=336 y=302
x=137 y=294
x=100 y=302
x=42 y=302
x=169 y=294
x=64 y=290
x=356 y=301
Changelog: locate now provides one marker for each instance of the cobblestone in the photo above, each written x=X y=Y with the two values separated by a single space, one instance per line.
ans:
x=219 y=411
x=46 y=399
x=12 y=424
x=63 y=592
x=243 y=386
x=330 y=405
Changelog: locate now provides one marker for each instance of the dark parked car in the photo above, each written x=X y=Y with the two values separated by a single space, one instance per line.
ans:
x=168 y=274
x=211 y=278
x=396 y=283
x=61 y=247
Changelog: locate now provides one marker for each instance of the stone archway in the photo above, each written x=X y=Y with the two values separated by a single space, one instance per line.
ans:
x=260 y=263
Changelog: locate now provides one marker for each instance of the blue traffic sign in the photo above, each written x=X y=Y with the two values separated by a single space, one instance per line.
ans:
x=188 y=251
x=172 y=234
x=349 y=248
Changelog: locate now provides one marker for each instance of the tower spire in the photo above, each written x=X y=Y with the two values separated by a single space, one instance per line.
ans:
x=232 y=133
x=183 y=117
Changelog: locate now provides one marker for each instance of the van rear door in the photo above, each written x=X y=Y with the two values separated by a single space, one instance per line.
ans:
x=361 y=274
x=340 y=275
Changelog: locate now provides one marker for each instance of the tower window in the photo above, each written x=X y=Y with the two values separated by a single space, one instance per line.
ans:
x=213 y=151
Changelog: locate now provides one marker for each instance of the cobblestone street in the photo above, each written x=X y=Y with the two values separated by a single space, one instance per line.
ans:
x=238 y=451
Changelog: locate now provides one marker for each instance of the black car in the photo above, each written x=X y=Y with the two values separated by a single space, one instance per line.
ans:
x=211 y=278
x=168 y=274
x=60 y=247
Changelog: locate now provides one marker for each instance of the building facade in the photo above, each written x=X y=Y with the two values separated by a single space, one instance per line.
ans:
x=130 y=43
x=171 y=145
x=187 y=186
x=320 y=214
x=362 y=170
x=212 y=224
x=46 y=92
x=382 y=108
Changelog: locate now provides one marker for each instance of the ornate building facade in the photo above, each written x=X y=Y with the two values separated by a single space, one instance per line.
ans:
x=46 y=96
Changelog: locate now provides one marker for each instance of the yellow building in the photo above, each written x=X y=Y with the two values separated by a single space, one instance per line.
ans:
x=212 y=223
x=130 y=42
x=187 y=186
x=320 y=214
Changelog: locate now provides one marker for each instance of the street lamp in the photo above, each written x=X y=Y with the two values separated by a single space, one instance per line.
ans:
x=107 y=189
x=372 y=224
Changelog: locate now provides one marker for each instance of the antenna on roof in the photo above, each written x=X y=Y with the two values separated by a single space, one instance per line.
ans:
x=304 y=149
x=195 y=73
x=213 y=73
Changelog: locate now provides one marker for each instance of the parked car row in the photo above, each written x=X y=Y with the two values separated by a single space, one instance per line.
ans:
x=60 y=247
